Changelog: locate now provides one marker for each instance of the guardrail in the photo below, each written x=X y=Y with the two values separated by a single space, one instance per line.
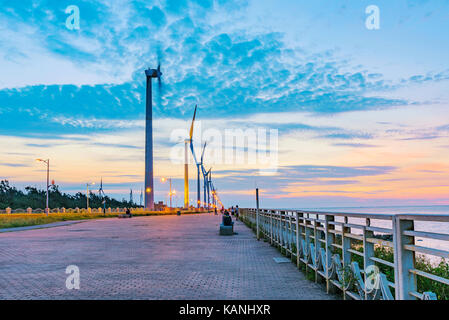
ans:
x=92 y=210
x=339 y=249
x=70 y=210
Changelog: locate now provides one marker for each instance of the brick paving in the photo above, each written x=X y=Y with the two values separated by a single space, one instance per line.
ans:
x=159 y=257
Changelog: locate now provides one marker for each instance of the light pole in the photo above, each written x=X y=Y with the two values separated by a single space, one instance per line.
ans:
x=170 y=193
x=47 y=162
x=87 y=193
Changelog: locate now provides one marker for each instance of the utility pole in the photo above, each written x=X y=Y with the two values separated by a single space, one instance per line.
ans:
x=140 y=197
x=87 y=194
x=47 y=162
x=170 y=192
x=48 y=183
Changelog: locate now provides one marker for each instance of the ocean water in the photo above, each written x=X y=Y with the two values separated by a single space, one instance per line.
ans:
x=429 y=226
x=393 y=209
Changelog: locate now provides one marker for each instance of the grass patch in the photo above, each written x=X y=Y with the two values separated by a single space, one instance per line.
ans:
x=15 y=220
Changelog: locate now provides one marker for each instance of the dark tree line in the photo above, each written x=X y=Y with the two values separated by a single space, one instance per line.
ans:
x=35 y=198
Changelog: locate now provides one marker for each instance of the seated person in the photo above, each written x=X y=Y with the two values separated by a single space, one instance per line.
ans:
x=227 y=220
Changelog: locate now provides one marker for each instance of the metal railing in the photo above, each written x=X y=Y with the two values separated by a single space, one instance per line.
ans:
x=69 y=210
x=92 y=210
x=339 y=249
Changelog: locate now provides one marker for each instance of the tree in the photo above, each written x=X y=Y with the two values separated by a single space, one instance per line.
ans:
x=35 y=198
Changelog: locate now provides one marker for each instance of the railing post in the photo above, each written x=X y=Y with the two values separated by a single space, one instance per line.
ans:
x=404 y=260
x=317 y=246
x=330 y=239
x=307 y=239
x=290 y=234
x=257 y=214
x=368 y=252
x=346 y=255
x=271 y=227
x=281 y=230
x=297 y=238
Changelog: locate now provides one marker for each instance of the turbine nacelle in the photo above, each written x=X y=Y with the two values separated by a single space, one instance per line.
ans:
x=153 y=73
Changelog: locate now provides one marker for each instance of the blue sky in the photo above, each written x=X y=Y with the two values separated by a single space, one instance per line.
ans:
x=310 y=69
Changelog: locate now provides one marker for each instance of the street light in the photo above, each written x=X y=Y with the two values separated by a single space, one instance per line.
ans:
x=87 y=193
x=170 y=193
x=47 y=162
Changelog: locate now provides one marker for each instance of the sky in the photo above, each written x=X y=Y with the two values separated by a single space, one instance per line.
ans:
x=360 y=115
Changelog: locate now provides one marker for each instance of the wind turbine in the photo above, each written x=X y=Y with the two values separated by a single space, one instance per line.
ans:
x=209 y=182
x=188 y=142
x=103 y=196
x=205 y=177
x=149 y=190
x=198 y=165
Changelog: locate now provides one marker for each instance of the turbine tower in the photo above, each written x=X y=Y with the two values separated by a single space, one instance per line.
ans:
x=198 y=165
x=149 y=190
x=186 y=173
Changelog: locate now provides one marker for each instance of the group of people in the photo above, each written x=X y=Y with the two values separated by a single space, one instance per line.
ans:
x=234 y=211
x=227 y=220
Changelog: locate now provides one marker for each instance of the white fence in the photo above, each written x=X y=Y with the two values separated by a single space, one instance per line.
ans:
x=327 y=244
x=68 y=210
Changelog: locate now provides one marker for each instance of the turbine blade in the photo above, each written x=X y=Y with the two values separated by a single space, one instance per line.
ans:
x=202 y=153
x=193 y=120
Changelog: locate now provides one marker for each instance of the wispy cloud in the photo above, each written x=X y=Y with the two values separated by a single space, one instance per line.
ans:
x=13 y=164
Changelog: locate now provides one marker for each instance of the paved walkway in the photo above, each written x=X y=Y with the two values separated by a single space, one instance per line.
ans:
x=41 y=226
x=159 y=257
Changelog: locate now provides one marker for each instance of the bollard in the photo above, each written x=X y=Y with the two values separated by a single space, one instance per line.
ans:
x=404 y=260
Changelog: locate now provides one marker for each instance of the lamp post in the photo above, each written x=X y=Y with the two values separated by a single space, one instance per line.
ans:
x=87 y=193
x=170 y=192
x=147 y=194
x=47 y=162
